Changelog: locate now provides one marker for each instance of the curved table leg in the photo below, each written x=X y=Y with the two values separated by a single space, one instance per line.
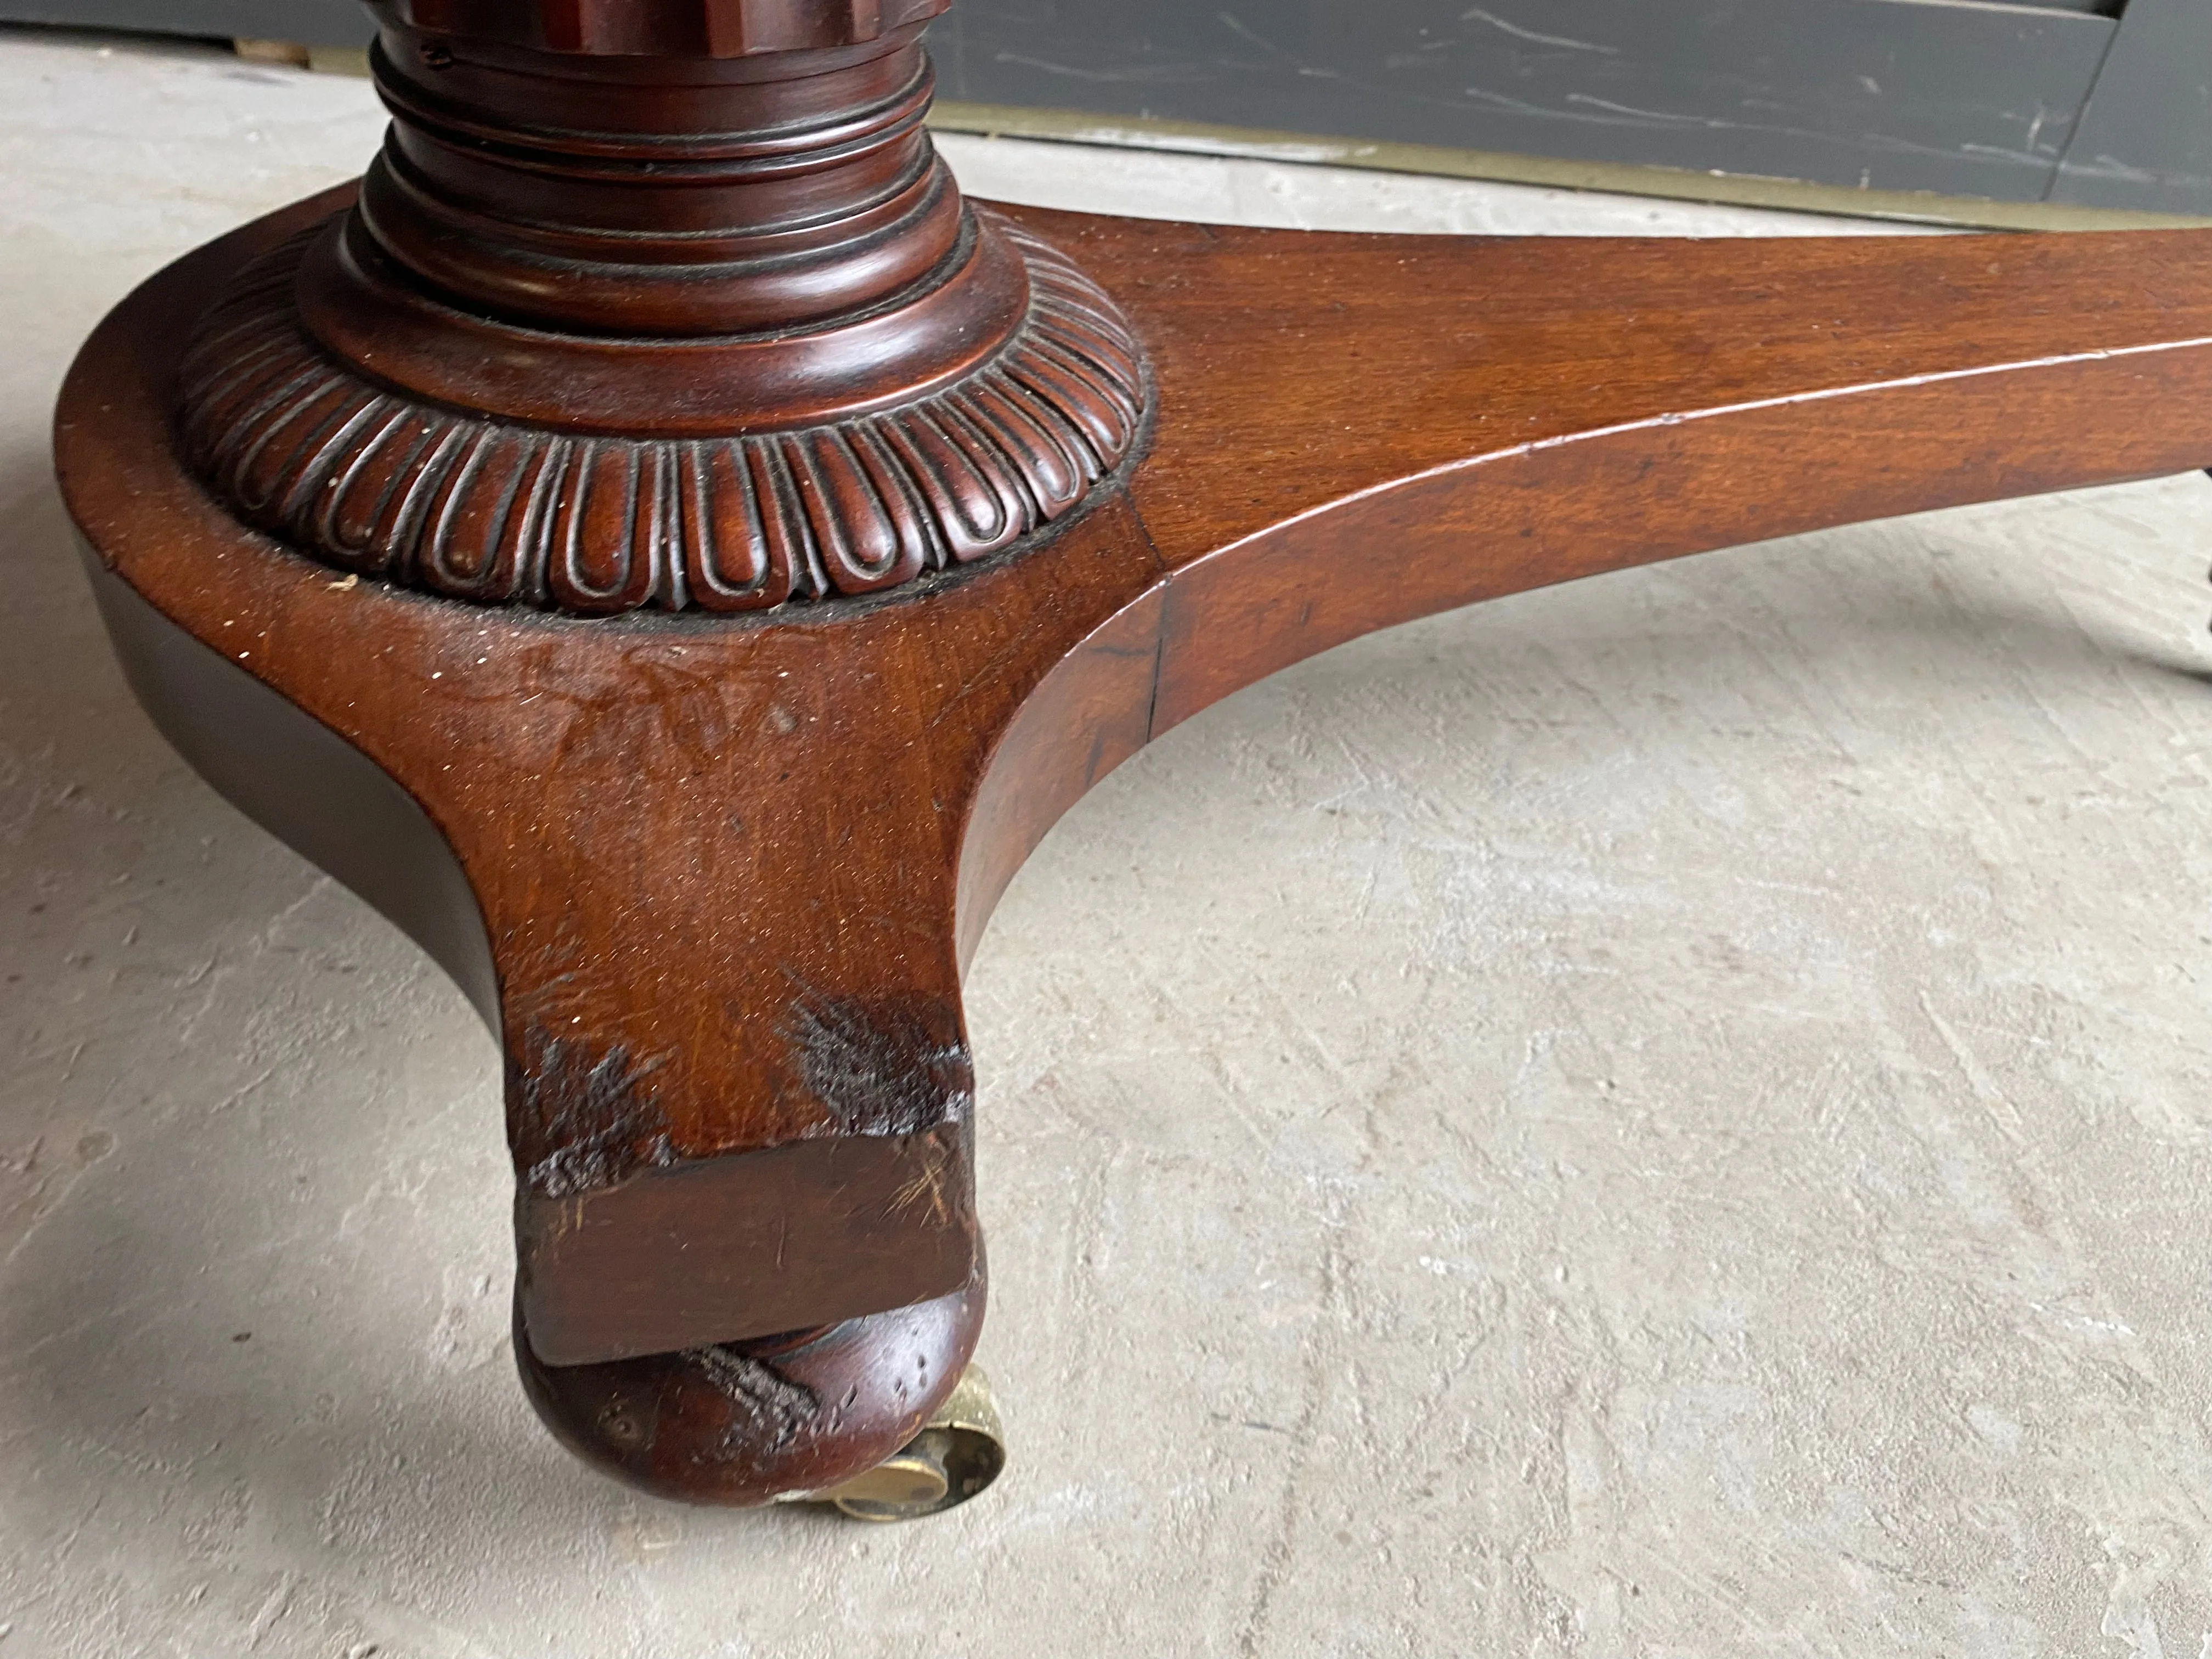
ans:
x=713 y=870
x=726 y=873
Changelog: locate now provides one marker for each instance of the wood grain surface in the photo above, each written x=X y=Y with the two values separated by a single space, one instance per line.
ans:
x=729 y=869
x=729 y=872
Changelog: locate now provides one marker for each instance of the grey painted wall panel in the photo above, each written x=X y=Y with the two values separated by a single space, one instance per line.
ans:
x=1972 y=100
x=1966 y=99
x=312 y=22
x=2146 y=138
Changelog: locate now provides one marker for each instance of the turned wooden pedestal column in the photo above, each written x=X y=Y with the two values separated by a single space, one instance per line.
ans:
x=660 y=544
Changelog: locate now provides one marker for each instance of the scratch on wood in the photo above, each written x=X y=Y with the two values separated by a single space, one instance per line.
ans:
x=580 y=1122
x=927 y=1186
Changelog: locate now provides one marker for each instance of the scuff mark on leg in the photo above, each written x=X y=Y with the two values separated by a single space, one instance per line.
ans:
x=581 y=1123
x=767 y=1409
x=882 y=1066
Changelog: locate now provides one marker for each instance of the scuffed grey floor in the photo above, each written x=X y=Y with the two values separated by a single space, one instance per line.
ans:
x=1666 y=1117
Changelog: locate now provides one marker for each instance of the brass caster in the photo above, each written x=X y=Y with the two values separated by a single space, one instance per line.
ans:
x=960 y=1450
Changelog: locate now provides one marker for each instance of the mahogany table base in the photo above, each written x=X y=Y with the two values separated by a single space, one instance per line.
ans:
x=714 y=873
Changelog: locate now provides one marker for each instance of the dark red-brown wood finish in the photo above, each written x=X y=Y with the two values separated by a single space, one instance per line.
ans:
x=737 y=550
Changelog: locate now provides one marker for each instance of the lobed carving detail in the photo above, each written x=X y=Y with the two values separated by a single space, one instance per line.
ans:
x=369 y=479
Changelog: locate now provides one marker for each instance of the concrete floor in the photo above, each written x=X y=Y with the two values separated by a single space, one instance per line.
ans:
x=1666 y=1117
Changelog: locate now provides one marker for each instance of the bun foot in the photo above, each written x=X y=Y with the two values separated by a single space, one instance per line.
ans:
x=807 y=1414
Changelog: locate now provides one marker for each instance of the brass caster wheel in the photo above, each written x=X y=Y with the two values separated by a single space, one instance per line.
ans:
x=960 y=1450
